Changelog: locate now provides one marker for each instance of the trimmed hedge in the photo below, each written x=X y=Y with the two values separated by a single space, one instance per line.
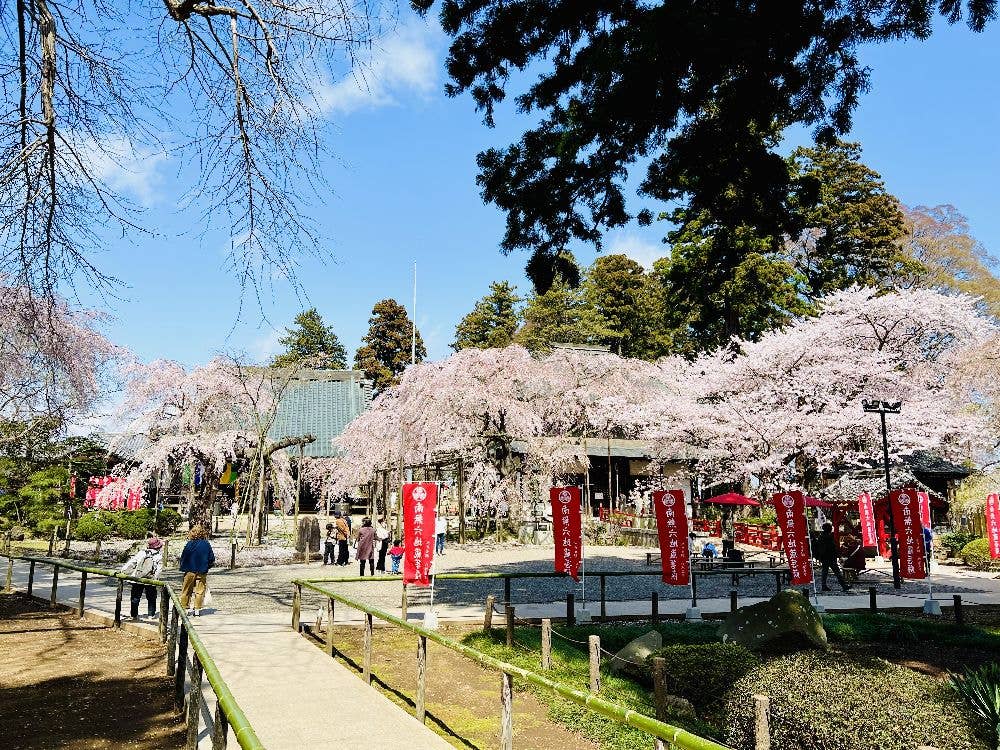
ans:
x=976 y=554
x=954 y=541
x=836 y=702
x=133 y=524
x=167 y=521
x=701 y=673
x=92 y=527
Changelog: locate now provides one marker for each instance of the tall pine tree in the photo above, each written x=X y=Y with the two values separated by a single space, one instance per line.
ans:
x=493 y=321
x=561 y=315
x=313 y=342
x=385 y=349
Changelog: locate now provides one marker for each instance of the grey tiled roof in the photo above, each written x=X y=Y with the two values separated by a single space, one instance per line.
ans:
x=321 y=402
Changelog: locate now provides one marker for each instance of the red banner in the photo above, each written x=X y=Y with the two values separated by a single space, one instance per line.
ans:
x=869 y=537
x=419 y=503
x=925 y=509
x=993 y=524
x=672 y=529
x=566 y=529
x=909 y=532
x=791 y=511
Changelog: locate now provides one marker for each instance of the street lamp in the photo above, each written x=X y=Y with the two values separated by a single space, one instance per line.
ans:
x=882 y=408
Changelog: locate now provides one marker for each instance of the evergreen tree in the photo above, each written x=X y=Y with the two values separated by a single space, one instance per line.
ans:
x=312 y=341
x=853 y=225
x=561 y=315
x=385 y=349
x=616 y=288
x=492 y=322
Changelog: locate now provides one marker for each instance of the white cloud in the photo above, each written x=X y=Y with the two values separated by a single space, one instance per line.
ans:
x=266 y=346
x=638 y=248
x=124 y=167
x=405 y=62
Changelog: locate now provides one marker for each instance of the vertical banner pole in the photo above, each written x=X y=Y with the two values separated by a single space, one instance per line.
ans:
x=809 y=536
x=583 y=554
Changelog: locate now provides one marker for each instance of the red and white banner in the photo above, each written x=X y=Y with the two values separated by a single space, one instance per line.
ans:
x=993 y=524
x=419 y=504
x=790 y=508
x=110 y=493
x=925 y=509
x=905 y=508
x=869 y=536
x=672 y=530
x=566 y=529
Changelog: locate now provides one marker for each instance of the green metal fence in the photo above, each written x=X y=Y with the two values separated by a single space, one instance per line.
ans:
x=187 y=657
x=667 y=735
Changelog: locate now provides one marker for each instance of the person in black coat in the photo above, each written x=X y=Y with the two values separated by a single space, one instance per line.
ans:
x=825 y=550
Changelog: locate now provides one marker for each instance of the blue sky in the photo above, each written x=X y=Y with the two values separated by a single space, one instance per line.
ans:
x=403 y=179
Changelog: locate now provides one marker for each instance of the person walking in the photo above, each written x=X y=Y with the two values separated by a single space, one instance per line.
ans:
x=441 y=530
x=366 y=546
x=825 y=550
x=330 y=545
x=146 y=563
x=196 y=558
x=343 y=534
x=382 y=538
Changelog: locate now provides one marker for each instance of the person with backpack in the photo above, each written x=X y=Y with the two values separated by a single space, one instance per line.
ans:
x=196 y=558
x=146 y=563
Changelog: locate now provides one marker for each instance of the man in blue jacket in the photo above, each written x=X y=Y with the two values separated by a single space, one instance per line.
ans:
x=196 y=558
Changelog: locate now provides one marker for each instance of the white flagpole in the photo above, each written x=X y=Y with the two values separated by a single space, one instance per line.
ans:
x=413 y=334
x=583 y=553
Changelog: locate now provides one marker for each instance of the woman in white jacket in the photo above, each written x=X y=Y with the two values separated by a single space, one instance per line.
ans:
x=146 y=563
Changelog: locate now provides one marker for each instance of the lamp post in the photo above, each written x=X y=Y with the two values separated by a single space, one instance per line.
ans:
x=882 y=408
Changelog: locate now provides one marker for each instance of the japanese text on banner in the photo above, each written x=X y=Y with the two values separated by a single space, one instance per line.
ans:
x=790 y=508
x=909 y=533
x=993 y=524
x=566 y=529
x=672 y=530
x=419 y=503
x=869 y=536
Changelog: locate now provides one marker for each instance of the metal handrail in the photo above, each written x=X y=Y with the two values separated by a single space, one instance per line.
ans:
x=237 y=720
x=677 y=736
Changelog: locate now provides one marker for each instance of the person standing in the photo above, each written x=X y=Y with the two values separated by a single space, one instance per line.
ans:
x=366 y=546
x=196 y=558
x=382 y=538
x=146 y=563
x=396 y=553
x=330 y=545
x=441 y=530
x=825 y=550
x=343 y=534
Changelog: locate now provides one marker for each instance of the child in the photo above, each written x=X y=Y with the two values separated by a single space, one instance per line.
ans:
x=330 y=545
x=396 y=553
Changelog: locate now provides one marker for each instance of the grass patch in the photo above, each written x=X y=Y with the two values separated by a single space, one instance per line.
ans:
x=883 y=628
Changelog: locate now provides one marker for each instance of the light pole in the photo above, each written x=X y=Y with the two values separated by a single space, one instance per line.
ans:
x=882 y=408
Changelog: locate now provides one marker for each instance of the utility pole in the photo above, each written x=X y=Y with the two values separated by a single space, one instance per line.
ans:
x=882 y=408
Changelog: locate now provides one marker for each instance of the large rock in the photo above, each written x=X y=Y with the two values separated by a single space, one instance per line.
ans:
x=633 y=656
x=314 y=535
x=783 y=619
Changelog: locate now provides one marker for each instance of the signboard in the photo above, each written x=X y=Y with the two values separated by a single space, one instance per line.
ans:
x=869 y=536
x=905 y=508
x=419 y=503
x=672 y=530
x=790 y=508
x=566 y=529
x=993 y=524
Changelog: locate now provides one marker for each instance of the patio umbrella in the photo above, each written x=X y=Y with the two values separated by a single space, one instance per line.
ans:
x=815 y=502
x=732 y=498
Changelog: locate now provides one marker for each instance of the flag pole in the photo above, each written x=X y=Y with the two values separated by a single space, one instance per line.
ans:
x=583 y=554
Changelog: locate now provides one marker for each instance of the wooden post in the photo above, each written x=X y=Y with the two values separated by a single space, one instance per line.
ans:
x=166 y=551
x=604 y=608
x=403 y=604
x=421 y=677
x=83 y=591
x=52 y=543
x=31 y=577
x=10 y=572
x=733 y=600
x=872 y=600
x=506 y=712
x=330 y=649
x=172 y=643
x=367 y=673
x=181 y=669
x=55 y=586
x=654 y=607
x=97 y=552
x=546 y=644
x=570 y=611
x=232 y=555
x=959 y=614
x=118 y=602
x=460 y=489
x=164 y=609
x=488 y=613
x=660 y=693
x=595 y=663
x=506 y=589
x=509 y=612
x=220 y=728
x=194 y=704
x=761 y=729
x=296 y=607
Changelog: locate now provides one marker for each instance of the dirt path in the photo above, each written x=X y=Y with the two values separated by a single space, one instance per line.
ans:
x=67 y=684
x=462 y=700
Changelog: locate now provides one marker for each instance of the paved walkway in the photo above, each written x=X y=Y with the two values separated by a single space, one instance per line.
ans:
x=294 y=696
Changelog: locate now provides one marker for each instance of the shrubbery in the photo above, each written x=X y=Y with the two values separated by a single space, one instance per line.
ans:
x=702 y=672
x=167 y=522
x=976 y=554
x=825 y=702
x=953 y=542
x=133 y=524
x=92 y=527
